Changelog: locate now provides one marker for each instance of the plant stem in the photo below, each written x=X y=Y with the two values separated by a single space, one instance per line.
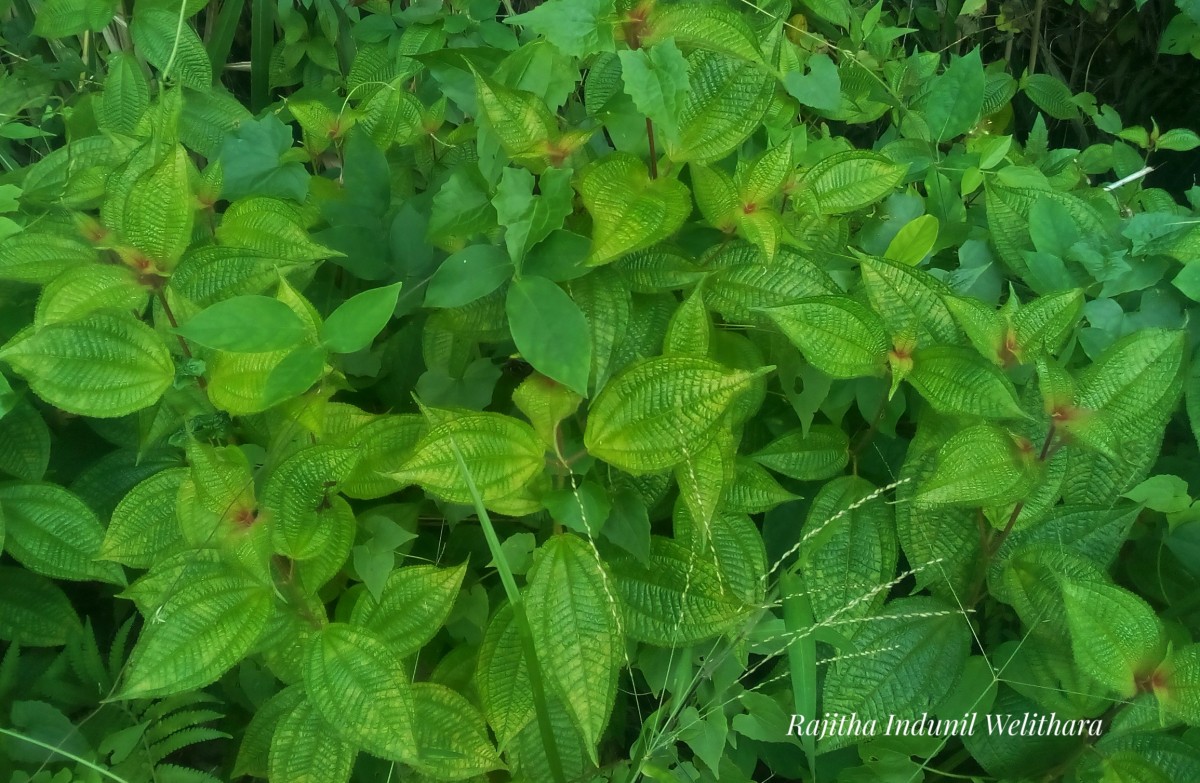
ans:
x=653 y=154
x=187 y=349
x=998 y=541
x=1036 y=37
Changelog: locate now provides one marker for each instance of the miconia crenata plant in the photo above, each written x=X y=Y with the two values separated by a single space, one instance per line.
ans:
x=588 y=390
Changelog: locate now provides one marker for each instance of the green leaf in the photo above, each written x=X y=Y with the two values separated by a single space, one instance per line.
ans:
x=578 y=27
x=85 y=289
x=467 y=275
x=205 y=624
x=753 y=490
x=502 y=455
x=51 y=532
x=164 y=42
x=915 y=651
x=157 y=209
x=1116 y=636
x=820 y=88
x=106 y=364
x=520 y=119
x=245 y=324
x=959 y=382
x=981 y=466
x=528 y=219
x=630 y=211
x=126 y=95
x=704 y=26
x=725 y=105
x=1043 y=325
x=677 y=598
x=576 y=631
x=564 y=352
x=836 y=334
x=414 y=603
x=1178 y=140
x=1050 y=95
x=1137 y=378
x=452 y=740
x=955 y=100
x=24 y=443
x=820 y=453
x=852 y=552
x=357 y=321
x=62 y=18
x=306 y=749
x=361 y=688
x=848 y=181
x=39 y=256
x=658 y=411
x=656 y=78
x=1177 y=683
x=584 y=508
x=34 y=612
x=734 y=546
x=914 y=241
x=143 y=526
x=297 y=495
x=502 y=677
x=251 y=162
x=909 y=300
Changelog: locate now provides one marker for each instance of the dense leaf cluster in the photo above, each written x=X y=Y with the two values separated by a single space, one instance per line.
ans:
x=594 y=392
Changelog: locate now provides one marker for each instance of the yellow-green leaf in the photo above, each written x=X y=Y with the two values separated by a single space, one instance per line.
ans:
x=576 y=631
x=837 y=335
x=502 y=455
x=106 y=364
x=658 y=411
x=630 y=211
x=361 y=688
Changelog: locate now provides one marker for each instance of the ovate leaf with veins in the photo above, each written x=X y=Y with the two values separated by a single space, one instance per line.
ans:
x=576 y=631
x=520 y=119
x=304 y=748
x=162 y=41
x=502 y=455
x=143 y=525
x=205 y=624
x=1116 y=636
x=415 y=601
x=839 y=336
x=677 y=598
x=725 y=104
x=960 y=382
x=660 y=410
x=52 y=532
x=820 y=453
x=106 y=364
x=848 y=181
x=158 y=210
x=452 y=739
x=915 y=652
x=630 y=211
x=981 y=466
x=361 y=687
x=502 y=677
